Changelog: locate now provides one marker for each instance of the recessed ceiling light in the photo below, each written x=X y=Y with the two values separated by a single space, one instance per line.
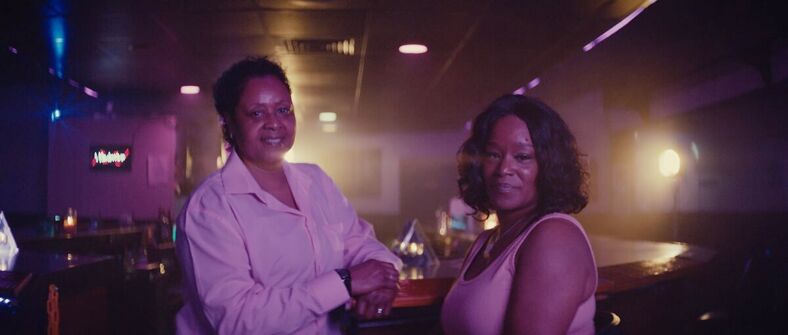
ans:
x=90 y=92
x=190 y=89
x=413 y=49
x=533 y=83
x=327 y=116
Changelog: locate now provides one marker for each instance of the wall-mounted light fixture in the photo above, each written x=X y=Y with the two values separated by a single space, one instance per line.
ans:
x=412 y=49
x=669 y=163
x=190 y=89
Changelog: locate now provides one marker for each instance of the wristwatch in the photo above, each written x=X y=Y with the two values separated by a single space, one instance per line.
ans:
x=345 y=275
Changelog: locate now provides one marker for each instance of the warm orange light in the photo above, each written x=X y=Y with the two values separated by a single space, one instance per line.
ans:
x=70 y=225
x=491 y=222
x=190 y=89
x=70 y=222
x=413 y=49
x=444 y=224
x=669 y=163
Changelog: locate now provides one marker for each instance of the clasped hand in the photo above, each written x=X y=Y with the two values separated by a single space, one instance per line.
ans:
x=375 y=284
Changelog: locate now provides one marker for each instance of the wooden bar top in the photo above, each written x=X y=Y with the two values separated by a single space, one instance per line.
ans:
x=622 y=265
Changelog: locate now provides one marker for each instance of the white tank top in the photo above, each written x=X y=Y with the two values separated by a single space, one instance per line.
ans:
x=477 y=306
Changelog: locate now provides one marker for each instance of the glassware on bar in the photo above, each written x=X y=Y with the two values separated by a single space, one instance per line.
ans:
x=70 y=222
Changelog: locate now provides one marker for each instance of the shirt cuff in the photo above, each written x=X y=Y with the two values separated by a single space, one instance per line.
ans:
x=329 y=291
x=389 y=258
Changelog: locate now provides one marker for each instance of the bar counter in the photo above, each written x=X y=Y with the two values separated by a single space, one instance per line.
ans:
x=60 y=291
x=107 y=238
x=622 y=265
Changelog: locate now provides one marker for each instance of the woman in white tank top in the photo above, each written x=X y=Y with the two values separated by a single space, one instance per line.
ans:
x=534 y=273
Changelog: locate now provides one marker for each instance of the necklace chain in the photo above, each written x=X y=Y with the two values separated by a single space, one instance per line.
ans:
x=496 y=236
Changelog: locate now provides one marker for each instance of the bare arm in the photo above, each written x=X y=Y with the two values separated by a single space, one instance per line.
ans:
x=554 y=274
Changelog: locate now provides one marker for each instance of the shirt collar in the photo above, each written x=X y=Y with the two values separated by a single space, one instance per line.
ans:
x=238 y=180
x=236 y=177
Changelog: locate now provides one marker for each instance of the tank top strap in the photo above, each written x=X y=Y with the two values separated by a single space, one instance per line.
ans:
x=512 y=250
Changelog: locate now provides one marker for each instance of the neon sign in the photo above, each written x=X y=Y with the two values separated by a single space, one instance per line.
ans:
x=110 y=157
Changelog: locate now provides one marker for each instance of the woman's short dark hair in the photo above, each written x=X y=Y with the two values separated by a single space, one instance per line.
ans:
x=228 y=88
x=561 y=180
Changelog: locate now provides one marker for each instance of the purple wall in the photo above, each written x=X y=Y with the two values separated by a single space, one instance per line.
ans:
x=139 y=193
x=23 y=147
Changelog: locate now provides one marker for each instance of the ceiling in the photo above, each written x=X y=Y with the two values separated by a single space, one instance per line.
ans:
x=477 y=49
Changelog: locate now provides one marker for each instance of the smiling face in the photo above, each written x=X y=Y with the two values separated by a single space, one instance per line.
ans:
x=264 y=123
x=509 y=167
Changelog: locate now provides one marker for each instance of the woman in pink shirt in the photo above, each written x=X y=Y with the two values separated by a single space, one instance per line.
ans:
x=535 y=272
x=270 y=247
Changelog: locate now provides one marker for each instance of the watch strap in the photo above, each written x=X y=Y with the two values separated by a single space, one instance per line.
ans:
x=346 y=279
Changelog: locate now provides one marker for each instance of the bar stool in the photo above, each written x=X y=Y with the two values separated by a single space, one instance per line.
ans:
x=607 y=323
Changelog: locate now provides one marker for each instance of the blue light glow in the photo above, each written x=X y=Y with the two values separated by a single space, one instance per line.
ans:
x=57 y=35
x=55 y=115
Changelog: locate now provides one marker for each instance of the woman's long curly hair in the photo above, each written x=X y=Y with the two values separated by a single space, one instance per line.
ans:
x=561 y=181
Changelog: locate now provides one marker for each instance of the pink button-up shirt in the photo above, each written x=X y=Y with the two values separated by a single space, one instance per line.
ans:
x=253 y=265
